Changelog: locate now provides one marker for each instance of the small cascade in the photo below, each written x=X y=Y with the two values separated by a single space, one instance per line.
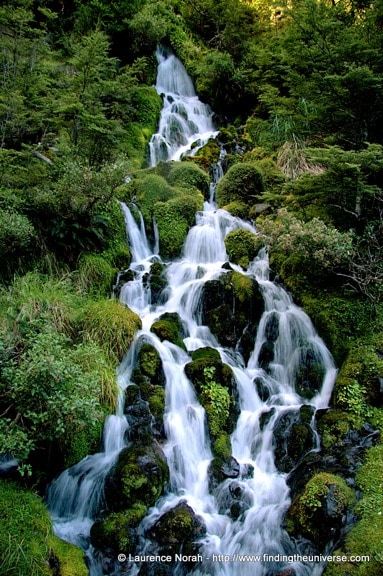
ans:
x=242 y=514
x=185 y=123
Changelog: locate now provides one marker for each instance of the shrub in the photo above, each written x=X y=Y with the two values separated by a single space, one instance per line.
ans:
x=17 y=239
x=242 y=182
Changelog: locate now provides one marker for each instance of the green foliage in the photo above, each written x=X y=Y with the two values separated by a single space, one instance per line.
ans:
x=304 y=253
x=365 y=538
x=222 y=445
x=241 y=247
x=111 y=325
x=115 y=531
x=216 y=401
x=242 y=182
x=17 y=237
x=24 y=533
x=95 y=274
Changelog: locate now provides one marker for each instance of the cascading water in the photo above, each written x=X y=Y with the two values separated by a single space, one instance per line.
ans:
x=185 y=120
x=261 y=491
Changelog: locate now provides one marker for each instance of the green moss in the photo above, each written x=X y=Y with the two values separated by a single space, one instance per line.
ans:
x=207 y=155
x=115 y=532
x=222 y=446
x=174 y=219
x=138 y=477
x=169 y=327
x=239 y=209
x=206 y=353
x=156 y=399
x=27 y=544
x=149 y=360
x=71 y=559
x=366 y=537
x=308 y=514
x=334 y=426
x=243 y=286
x=243 y=182
x=151 y=189
x=186 y=175
x=241 y=247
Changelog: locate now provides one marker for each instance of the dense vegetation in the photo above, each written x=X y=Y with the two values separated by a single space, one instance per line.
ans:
x=297 y=92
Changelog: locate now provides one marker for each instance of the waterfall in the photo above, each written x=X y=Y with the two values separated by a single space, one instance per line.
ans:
x=185 y=122
x=76 y=496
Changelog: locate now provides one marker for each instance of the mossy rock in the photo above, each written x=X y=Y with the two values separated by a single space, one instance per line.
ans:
x=222 y=445
x=186 y=175
x=220 y=469
x=319 y=513
x=149 y=363
x=118 y=531
x=242 y=182
x=206 y=155
x=174 y=219
x=366 y=537
x=138 y=477
x=241 y=247
x=157 y=281
x=232 y=306
x=293 y=437
x=206 y=353
x=169 y=327
x=333 y=426
x=178 y=530
x=195 y=371
x=150 y=189
x=27 y=544
x=238 y=209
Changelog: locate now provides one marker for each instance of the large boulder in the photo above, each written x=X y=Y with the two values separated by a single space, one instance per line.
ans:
x=139 y=476
x=319 y=513
x=232 y=306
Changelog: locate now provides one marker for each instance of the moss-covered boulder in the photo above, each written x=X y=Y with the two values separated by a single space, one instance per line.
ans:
x=157 y=281
x=149 y=362
x=138 y=477
x=232 y=306
x=320 y=512
x=117 y=532
x=206 y=156
x=220 y=469
x=241 y=247
x=169 y=327
x=178 y=530
x=188 y=175
x=293 y=437
x=243 y=182
x=174 y=219
x=215 y=385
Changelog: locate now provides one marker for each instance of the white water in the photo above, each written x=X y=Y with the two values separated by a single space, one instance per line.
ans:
x=185 y=123
x=76 y=495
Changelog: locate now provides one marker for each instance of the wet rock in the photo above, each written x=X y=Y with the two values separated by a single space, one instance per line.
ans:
x=293 y=438
x=232 y=306
x=140 y=420
x=139 y=476
x=169 y=327
x=157 y=281
x=320 y=512
x=220 y=469
x=178 y=530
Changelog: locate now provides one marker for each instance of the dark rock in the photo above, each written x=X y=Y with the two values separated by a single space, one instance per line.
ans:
x=232 y=306
x=139 y=476
x=140 y=420
x=220 y=469
x=178 y=531
x=293 y=438
x=262 y=388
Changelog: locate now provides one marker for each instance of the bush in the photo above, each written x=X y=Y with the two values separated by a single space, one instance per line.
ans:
x=150 y=190
x=242 y=182
x=17 y=239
